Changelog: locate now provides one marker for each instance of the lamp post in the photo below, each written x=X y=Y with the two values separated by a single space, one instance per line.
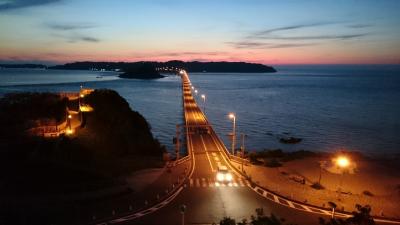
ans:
x=183 y=209
x=204 y=103
x=233 y=117
x=242 y=147
x=342 y=162
x=195 y=91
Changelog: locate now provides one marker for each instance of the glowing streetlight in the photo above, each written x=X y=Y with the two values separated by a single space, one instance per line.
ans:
x=69 y=116
x=204 y=103
x=233 y=117
x=195 y=91
x=342 y=162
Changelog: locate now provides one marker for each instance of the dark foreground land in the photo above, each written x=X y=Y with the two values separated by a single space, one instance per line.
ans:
x=40 y=176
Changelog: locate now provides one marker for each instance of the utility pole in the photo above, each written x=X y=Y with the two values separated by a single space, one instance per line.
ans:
x=183 y=209
x=177 y=142
x=242 y=147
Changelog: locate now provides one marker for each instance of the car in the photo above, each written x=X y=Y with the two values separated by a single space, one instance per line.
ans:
x=223 y=174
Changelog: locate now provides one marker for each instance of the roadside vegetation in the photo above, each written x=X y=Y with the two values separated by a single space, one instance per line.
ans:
x=275 y=157
x=361 y=216
x=112 y=142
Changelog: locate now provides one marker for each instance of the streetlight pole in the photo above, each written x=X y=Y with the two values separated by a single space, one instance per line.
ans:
x=243 y=136
x=183 y=209
x=232 y=116
x=342 y=162
x=204 y=103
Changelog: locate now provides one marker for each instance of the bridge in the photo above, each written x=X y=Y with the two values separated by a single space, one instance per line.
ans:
x=201 y=199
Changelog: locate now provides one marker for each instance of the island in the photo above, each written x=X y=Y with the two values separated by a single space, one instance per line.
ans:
x=23 y=66
x=144 y=71
x=170 y=67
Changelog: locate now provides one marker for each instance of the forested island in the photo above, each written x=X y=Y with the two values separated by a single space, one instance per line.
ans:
x=23 y=66
x=141 y=71
x=194 y=66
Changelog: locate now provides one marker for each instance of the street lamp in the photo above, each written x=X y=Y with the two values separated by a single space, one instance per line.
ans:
x=195 y=91
x=342 y=162
x=242 y=147
x=204 y=103
x=233 y=117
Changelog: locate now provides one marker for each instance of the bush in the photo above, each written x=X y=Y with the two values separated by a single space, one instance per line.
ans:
x=272 y=163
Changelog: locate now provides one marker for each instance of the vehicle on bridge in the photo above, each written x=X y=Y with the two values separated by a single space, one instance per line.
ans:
x=223 y=174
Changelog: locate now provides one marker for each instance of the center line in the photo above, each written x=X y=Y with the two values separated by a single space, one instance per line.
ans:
x=208 y=157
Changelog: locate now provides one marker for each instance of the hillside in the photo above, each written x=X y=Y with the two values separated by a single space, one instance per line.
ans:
x=215 y=67
x=113 y=142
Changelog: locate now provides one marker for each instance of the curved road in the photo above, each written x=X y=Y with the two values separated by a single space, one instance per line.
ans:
x=206 y=200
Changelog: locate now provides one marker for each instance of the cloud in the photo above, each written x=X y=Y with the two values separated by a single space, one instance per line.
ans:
x=6 y=5
x=72 y=32
x=191 y=53
x=316 y=37
x=292 y=27
x=359 y=26
x=273 y=39
x=70 y=26
x=74 y=38
x=88 y=39
x=261 y=45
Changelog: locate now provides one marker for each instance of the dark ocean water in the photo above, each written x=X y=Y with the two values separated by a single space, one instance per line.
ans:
x=329 y=107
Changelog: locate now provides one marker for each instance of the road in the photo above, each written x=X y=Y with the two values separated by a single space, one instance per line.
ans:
x=206 y=200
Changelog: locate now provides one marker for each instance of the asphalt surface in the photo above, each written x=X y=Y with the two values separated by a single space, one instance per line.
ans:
x=206 y=200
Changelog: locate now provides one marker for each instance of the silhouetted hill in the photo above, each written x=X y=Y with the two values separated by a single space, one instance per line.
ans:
x=114 y=141
x=214 y=67
x=27 y=66
x=141 y=71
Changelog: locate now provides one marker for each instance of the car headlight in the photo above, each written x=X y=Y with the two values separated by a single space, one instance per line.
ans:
x=220 y=177
x=229 y=177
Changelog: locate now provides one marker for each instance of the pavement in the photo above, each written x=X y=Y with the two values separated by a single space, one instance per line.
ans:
x=205 y=200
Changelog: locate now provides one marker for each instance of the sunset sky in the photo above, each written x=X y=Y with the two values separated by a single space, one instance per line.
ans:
x=269 y=32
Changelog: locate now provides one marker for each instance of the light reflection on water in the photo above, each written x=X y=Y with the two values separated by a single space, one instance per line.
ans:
x=329 y=107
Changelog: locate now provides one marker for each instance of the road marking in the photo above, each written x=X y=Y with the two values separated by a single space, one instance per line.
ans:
x=276 y=199
x=203 y=182
x=305 y=207
x=210 y=183
x=191 y=182
x=197 y=182
x=290 y=203
x=216 y=159
x=208 y=157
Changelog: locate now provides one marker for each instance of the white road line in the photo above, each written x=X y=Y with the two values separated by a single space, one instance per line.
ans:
x=210 y=183
x=276 y=199
x=304 y=207
x=197 y=182
x=203 y=182
x=208 y=157
x=290 y=203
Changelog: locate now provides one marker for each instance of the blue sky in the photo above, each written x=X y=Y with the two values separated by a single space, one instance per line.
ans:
x=271 y=32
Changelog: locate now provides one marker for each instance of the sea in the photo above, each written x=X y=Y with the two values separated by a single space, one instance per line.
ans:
x=330 y=107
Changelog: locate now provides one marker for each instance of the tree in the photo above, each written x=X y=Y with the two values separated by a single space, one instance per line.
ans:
x=360 y=217
x=227 y=221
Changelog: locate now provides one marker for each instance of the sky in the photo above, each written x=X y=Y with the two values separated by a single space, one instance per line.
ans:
x=269 y=32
